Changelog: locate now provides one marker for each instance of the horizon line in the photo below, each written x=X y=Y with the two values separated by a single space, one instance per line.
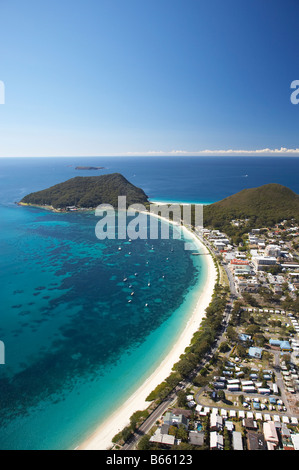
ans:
x=266 y=152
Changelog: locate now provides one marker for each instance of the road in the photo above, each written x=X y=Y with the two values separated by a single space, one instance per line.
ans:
x=280 y=381
x=149 y=422
x=226 y=268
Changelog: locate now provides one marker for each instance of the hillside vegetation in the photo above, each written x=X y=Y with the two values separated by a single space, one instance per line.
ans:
x=89 y=191
x=263 y=206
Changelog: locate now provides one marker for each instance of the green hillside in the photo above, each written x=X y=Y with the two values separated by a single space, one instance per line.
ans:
x=263 y=206
x=86 y=192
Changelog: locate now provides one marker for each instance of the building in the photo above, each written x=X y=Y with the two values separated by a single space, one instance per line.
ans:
x=216 y=441
x=216 y=422
x=237 y=441
x=182 y=411
x=277 y=289
x=246 y=383
x=249 y=424
x=253 y=239
x=242 y=271
x=229 y=426
x=263 y=262
x=244 y=337
x=256 y=441
x=290 y=265
x=286 y=437
x=247 y=285
x=219 y=385
x=264 y=391
x=295 y=440
x=233 y=388
x=255 y=352
x=239 y=262
x=273 y=250
x=249 y=389
x=219 y=245
x=173 y=419
x=282 y=345
x=196 y=438
x=165 y=439
x=270 y=435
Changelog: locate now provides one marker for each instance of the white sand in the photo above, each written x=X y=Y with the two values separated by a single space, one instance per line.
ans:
x=101 y=439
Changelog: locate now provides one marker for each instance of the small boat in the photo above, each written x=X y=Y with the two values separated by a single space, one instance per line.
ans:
x=119 y=249
x=146 y=305
x=125 y=279
x=132 y=293
x=136 y=274
x=129 y=301
x=130 y=286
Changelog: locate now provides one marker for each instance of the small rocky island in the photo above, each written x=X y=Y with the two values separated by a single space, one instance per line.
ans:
x=90 y=168
x=86 y=193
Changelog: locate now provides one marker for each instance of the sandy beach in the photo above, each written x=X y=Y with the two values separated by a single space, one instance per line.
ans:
x=101 y=438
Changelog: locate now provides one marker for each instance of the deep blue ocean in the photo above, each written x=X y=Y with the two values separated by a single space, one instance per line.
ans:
x=76 y=347
x=187 y=179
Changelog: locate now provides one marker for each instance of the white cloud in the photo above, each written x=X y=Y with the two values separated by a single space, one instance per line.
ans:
x=228 y=152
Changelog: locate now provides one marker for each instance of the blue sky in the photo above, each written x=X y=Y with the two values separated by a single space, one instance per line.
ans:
x=130 y=77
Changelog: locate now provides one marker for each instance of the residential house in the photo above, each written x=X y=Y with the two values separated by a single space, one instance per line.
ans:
x=196 y=438
x=249 y=424
x=216 y=422
x=173 y=419
x=295 y=440
x=255 y=352
x=216 y=441
x=237 y=441
x=256 y=441
x=270 y=435
x=165 y=439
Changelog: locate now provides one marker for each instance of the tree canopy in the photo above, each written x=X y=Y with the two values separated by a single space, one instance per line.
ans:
x=88 y=191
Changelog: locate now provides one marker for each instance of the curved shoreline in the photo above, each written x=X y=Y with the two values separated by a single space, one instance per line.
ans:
x=101 y=439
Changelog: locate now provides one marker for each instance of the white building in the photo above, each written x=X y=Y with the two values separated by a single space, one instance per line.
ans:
x=216 y=422
x=273 y=250
x=295 y=440
x=216 y=441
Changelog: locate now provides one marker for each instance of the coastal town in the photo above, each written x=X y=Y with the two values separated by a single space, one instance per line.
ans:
x=243 y=394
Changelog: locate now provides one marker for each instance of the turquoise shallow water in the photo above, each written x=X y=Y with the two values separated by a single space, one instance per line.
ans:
x=75 y=347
